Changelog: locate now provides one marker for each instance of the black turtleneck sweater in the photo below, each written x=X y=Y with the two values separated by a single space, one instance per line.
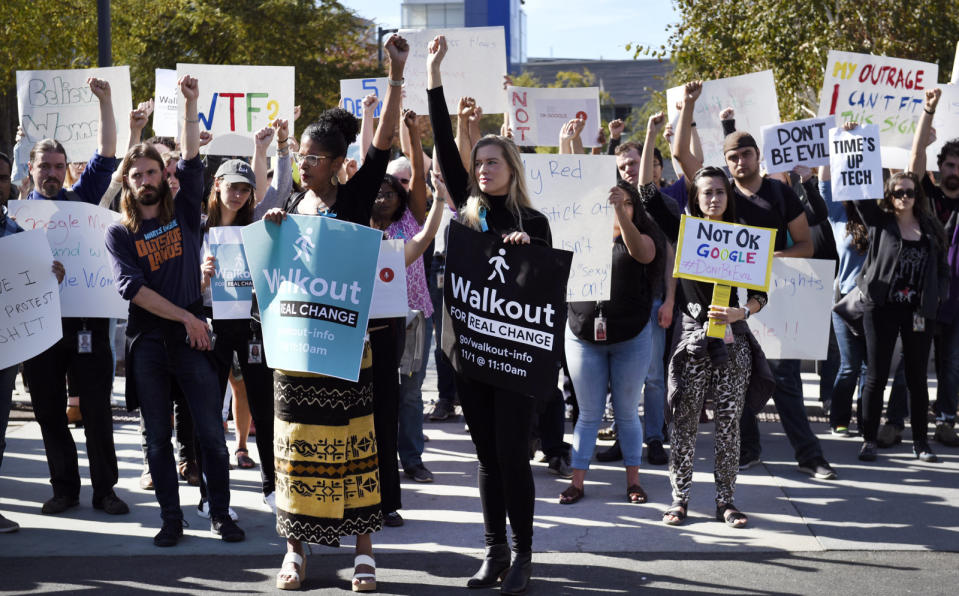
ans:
x=499 y=219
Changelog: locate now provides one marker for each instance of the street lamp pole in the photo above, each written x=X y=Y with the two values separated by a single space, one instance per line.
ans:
x=104 y=40
x=380 y=32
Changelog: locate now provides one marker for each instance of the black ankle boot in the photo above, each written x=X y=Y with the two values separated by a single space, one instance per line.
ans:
x=494 y=567
x=517 y=580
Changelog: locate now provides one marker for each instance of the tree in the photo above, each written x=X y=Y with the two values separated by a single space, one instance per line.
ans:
x=716 y=39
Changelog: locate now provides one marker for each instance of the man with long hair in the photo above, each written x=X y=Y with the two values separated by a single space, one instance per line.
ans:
x=156 y=261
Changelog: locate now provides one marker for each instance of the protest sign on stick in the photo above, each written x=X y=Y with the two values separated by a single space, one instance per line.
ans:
x=29 y=301
x=232 y=286
x=538 y=114
x=165 y=103
x=236 y=101
x=474 y=67
x=887 y=92
x=945 y=121
x=58 y=104
x=573 y=192
x=724 y=254
x=854 y=163
x=352 y=92
x=314 y=308
x=75 y=231
x=799 y=143
x=752 y=96
x=389 y=288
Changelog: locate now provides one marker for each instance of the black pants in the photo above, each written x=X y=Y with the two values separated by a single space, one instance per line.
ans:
x=499 y=423
x=882 y=325
x=182 y=424
x=46 y=376
x=385 y=344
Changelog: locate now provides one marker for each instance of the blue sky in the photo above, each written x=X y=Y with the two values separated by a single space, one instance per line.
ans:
x=567 y=28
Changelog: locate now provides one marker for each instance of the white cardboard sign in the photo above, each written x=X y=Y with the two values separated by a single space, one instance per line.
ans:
x=945 y=121
x=752 y=96
x=29 y=301
x=887 y=92
x=854 y=163
x=798 y=143
x=75 y=232
x=795 y=322
x=58 y=104
x=537 y=115
x=474 y=66
x=352 y=92
x=165 y=103
x=573 y=192
x=389 y=287
x=236 y=101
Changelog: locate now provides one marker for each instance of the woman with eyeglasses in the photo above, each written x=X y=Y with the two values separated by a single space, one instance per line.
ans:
x=903 y=280
x=325 y=422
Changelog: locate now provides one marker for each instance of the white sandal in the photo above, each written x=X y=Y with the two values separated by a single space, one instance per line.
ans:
x=298 y=560
x=364 y=582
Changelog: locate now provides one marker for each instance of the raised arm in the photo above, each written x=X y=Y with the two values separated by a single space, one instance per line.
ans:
x=464 y=144
x=576 y=142
x=566 y=137
x=417 y=245
x=366 y=124
x=474 y=125
x=417 y=204
x=399 y=51
x=640 y=246
x=191 y=121
x=261 y=143
x=920 y=140
x=648 y=159
x=450 y=164
x=138 y=121
x=107 y=135
x=687 y=162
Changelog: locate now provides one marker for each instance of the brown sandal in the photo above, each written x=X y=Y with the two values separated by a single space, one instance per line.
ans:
x=636 y=494
x=571 y=495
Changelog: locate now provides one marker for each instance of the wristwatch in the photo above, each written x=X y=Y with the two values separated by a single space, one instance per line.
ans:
x=747 y=314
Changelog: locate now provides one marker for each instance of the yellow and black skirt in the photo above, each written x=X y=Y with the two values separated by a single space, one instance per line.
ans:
x=327 y=473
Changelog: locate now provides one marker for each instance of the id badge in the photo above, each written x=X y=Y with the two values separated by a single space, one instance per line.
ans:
x=84 y=342
x=439 y=281
x=918 y=323
x=728 y=337
x=254 y=353
x=599 y=329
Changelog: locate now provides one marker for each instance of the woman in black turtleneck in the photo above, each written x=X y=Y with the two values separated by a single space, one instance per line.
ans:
x=492 y=198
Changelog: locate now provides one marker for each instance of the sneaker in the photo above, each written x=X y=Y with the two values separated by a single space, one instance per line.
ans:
x=111 y=504
x=818 y=467
x=558 y=466
x=614 y=453
x=170 y=533
x=841 y=431
x=393 y=519
x=270 y=501
x=946 y=435
x=226 y=529
x=868 y=451
x=58 y=505
x=8 y=526
x=655 y=454
x=747 y=460
x=443 y=410
x=203 y=510
x=146 y=479
x=419 y=473
x=924 y=453
x=889 y=435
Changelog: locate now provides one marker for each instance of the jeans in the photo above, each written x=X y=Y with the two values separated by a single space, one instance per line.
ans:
x=410 y=438
x=8 y=380
x=157 y=363
x=852 y=372
x=897 y=410
x=792 y=412
x=385 y=344
x=654 y=392
x=947 y=371
x=445 y=380
x=621 y=367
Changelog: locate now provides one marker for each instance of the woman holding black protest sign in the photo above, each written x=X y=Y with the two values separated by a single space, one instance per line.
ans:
x=492 y=198
x=721 y=368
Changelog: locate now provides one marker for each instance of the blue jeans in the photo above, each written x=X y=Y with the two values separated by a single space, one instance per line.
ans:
x=947 y=371
x=410 y=438
x=654 y=392
x=8 y=380
x=157 y=363
x=852 y=372
x=445 y=382
x=792 y=412
x=621 y=368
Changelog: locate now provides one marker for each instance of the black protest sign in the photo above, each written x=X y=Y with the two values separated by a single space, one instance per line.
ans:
x=504 y=310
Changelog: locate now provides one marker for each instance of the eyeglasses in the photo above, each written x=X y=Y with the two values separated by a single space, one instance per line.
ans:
x=310 y=160
x=900 y=193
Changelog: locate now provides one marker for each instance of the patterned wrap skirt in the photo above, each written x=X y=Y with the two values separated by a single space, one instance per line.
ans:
x=327 y=473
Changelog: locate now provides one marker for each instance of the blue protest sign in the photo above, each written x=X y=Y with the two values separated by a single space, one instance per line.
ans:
x=314 y=282
x=232 y=286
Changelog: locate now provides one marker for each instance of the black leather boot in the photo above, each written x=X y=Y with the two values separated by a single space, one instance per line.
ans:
x=493 y=569
x=517 y=579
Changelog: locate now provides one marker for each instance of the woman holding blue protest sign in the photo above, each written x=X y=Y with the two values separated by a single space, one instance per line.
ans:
x=724 y=369
x=492 y=198
x=325 y=422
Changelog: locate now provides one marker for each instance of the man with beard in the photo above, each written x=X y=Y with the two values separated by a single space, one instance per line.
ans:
x=156 y=262
x=765 y=202
x=8 y=192
x=85 y=348
x=945 y=200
